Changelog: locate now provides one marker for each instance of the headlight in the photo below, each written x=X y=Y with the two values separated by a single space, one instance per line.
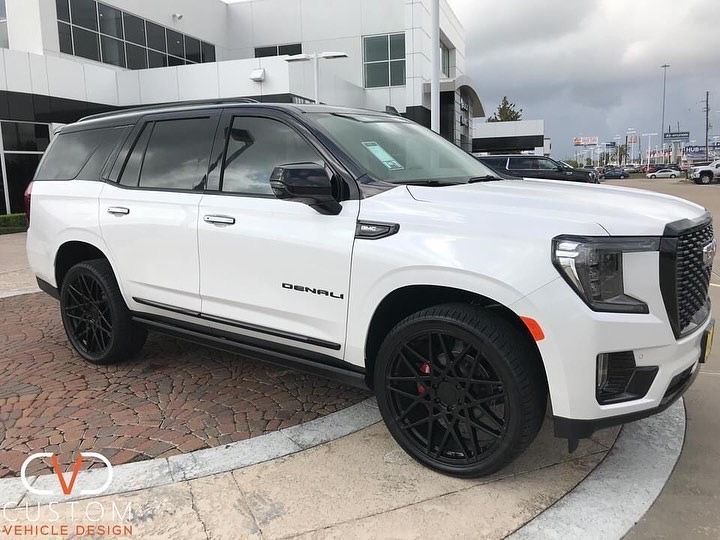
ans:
x=593 y=266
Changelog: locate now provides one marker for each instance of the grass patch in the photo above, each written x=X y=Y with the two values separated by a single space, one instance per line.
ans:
x=12 y=223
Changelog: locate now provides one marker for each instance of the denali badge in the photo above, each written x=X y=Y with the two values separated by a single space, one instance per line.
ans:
x=709 y=253
x=321 y=292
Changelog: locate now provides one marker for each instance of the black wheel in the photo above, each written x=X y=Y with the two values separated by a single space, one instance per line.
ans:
x=706 y=179
x=673 y=176
x=653 y=176
x=460 y=389
x=96 y=319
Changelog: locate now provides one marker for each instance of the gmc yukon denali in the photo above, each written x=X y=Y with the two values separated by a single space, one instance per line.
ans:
x=364 y=247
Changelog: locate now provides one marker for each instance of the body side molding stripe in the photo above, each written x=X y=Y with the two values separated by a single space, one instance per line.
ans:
x=245 y=326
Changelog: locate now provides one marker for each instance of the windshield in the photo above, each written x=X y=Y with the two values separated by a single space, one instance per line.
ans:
x=399 y=151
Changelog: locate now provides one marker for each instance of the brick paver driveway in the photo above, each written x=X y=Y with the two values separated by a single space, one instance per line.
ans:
x=176 y=397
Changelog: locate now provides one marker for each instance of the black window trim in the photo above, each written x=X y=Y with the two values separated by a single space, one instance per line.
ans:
x=117 y=162
x=117 y=169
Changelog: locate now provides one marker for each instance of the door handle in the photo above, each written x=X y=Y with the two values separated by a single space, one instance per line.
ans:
x=118 y=210
x=219 y=220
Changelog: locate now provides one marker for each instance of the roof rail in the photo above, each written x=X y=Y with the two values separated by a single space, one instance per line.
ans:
x=171 y=104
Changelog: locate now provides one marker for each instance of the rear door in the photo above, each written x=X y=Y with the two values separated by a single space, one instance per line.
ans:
x=148 y=216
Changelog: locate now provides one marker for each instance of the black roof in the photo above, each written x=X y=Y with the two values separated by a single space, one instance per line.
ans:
x=134 y=112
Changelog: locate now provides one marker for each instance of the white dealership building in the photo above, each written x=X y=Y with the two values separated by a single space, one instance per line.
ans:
x=64 y=59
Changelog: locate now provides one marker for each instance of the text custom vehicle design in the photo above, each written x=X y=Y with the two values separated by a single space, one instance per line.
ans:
x=364 y=247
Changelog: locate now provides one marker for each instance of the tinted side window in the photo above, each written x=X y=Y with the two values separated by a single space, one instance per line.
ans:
x=85 y=151
x=178 y=153
x=255 y=148
x=546 y=164
x=521 y=164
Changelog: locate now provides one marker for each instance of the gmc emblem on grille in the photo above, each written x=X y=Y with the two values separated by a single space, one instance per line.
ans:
x=709 y=253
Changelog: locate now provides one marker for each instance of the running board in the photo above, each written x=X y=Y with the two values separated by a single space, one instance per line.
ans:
x=273 y=353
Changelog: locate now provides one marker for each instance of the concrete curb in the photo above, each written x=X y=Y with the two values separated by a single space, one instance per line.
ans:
x=618 y=492
x=158 y=472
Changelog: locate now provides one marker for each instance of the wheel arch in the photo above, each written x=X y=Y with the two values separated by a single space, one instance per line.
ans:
x=73 y=252
x=408 y=299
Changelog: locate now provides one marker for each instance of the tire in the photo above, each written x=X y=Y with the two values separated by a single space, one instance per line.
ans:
x=96 y=320
x=436 y=413
x=706 y=179
x=673 y=176
x=653 y=177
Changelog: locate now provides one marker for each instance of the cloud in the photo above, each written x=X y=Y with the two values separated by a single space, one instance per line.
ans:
x=591 y=67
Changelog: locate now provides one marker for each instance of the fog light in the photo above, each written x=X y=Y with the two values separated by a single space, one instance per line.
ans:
x=618 y=378
x=602 y=370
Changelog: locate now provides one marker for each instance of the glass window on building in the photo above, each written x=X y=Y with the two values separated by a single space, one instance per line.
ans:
x=23 y=144
x=445 y=60
x=107 y=34
x=384 y=60
x=278 y=50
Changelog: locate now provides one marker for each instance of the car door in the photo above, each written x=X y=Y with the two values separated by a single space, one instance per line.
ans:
x=149 y=209
x=548 y=168
x=272 y=269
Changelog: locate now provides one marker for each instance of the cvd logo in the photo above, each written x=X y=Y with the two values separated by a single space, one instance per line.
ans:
x=66 y=486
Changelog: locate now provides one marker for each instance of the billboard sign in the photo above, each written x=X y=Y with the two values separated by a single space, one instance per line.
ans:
x=585 y=141
x=611 y=144
x=698 y=152
x=676 y=136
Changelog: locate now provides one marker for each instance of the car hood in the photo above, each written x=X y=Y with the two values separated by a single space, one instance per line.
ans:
x=620 y=211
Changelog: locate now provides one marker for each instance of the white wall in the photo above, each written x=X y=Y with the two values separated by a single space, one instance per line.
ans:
x=236 y=29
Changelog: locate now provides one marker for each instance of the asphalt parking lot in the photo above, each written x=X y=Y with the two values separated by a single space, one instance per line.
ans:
x=688 y=505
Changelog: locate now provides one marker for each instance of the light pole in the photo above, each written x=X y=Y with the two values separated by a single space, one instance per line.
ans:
x=315 y=57
x=664 y=67
x=617 y=138
x=649 y=136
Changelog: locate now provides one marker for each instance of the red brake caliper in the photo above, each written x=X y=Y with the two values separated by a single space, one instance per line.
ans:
x=425 y=369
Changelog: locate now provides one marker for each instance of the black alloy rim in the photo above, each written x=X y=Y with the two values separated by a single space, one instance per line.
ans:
x=446 y=398
x=87 y=310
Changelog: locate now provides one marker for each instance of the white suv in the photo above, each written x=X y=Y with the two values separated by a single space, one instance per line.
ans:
x=364 y=247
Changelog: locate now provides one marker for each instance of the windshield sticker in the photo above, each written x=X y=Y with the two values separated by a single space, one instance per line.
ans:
x=381 y=154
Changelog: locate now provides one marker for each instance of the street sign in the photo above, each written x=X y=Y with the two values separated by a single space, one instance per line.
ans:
x=611 y=144
x=676 y=136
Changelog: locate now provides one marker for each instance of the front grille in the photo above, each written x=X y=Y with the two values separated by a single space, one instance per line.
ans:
x=684 y=276
x=692 y=274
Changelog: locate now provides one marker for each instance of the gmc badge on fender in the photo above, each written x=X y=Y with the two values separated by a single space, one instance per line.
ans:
x=320 y=292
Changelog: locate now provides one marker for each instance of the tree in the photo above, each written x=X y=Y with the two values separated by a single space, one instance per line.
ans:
x=506 y=112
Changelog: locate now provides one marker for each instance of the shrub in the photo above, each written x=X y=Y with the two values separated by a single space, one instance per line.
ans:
x=12 y=223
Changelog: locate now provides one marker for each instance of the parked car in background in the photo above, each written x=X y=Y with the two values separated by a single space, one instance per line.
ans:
x=664 y=173
x=705 y=174
x=615 y=173
x=521 y=166
x=632 y=168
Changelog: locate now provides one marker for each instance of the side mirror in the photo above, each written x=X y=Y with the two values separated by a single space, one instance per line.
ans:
x=307 y=183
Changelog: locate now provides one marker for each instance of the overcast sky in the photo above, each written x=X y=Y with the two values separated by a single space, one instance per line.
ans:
x=591 y=67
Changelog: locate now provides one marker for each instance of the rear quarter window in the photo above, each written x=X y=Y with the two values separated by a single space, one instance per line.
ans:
x=80 y=154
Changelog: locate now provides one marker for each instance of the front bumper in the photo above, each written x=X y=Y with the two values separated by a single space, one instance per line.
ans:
x=575 y=335
x=573 y=429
